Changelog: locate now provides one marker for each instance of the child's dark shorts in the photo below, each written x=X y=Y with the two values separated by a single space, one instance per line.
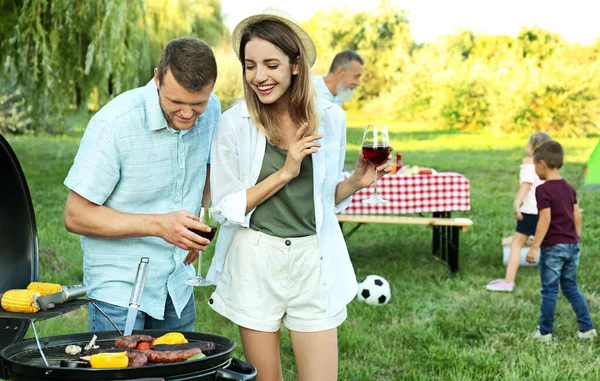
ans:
x=528 y=224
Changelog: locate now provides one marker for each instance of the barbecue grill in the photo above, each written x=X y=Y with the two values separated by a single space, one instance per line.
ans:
x=40 y=358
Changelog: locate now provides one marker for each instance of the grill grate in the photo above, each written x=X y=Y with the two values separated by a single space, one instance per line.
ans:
x=54 y=354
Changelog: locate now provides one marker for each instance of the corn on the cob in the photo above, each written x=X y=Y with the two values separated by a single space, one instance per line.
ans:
x=45 y=288
x=20 y=301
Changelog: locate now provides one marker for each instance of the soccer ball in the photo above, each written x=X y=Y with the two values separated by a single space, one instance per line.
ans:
x=374 y=290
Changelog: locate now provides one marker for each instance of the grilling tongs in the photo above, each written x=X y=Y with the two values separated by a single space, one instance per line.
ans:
x=49 y=301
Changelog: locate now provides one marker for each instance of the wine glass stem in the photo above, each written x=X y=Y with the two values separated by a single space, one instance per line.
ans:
x=375 y=181
x=199 y=264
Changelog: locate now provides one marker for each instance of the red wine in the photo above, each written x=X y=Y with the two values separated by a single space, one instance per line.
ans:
x=376 y=155
x=210 y=235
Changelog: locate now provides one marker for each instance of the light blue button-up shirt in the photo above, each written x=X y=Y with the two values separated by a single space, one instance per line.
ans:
x=323 y=91
x=130 y=160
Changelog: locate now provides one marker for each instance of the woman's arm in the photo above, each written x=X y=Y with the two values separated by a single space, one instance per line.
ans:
x=362 y=177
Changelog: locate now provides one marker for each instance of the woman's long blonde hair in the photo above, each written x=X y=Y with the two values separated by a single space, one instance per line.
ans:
x=302 y=105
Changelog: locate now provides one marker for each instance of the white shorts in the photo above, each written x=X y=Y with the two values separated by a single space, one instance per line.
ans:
x=267 y=281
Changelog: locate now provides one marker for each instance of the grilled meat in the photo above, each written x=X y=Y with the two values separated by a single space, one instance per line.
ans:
x=161 y=353
x=131 y=341
x=136 y=359
x=205 y=346
x=170 y=356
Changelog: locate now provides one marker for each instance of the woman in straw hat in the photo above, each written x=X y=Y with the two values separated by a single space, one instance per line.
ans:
x=276 y=183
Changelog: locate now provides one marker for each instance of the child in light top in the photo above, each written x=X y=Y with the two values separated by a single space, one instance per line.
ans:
x=525 y=210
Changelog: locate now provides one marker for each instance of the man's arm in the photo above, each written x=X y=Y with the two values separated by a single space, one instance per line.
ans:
x=577 y=219
x=86 y=218
x=543 y=224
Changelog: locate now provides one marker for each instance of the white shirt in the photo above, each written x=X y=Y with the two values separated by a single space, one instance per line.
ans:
x=236 y=157
x=323 y=91
x=528 y=175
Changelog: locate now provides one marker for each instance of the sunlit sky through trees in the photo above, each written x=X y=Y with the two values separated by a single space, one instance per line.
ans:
x=575 y=20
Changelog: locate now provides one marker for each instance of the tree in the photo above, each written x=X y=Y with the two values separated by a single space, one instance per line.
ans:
x=380 y=36
x=59 y=52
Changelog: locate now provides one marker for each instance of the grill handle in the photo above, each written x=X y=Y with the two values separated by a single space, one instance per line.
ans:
x=237 y=370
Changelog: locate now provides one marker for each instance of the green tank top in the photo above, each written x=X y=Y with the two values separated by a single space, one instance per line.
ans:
x=291 y=211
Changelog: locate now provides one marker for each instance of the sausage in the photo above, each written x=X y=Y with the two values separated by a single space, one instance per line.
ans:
x=131 y=341
x=136 y=359
x=205 y=346
x=170 y=356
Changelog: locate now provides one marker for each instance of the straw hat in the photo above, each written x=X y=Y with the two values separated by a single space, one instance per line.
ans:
x=274 y=14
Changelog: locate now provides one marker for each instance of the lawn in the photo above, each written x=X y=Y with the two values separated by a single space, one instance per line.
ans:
x=437 y=326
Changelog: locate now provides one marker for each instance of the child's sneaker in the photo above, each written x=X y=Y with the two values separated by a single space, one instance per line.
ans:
x=500 y=285
x=547 y=338
x=587 y=334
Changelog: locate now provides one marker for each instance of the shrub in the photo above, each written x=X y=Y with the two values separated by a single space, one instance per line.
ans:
x=467 y=106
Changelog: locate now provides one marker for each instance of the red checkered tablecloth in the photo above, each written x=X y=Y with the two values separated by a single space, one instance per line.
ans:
x=440 y=192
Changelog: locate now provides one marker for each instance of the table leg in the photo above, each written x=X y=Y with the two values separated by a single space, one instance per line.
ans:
x=436 y=235
x=445 y=242
x=347 y=235
x=447 y=238
x=454 y=246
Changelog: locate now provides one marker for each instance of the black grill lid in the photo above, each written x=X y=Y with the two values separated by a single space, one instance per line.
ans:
x=19 y=261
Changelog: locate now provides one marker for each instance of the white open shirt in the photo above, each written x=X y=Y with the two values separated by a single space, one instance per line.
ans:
x=237 y=153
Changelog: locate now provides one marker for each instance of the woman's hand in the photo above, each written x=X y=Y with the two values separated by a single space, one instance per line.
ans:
x=300 y=147
x=363 y=172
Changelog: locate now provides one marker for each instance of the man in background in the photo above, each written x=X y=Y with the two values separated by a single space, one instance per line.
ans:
x=344 y=76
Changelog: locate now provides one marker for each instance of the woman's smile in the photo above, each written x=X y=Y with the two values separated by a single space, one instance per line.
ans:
x=265 y=89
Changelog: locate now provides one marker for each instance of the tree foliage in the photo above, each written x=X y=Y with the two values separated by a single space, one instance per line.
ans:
x=63 y=54
x=381 y=37
x=467 y=81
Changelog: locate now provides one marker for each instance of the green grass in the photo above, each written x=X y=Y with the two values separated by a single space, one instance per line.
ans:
x=437 y=326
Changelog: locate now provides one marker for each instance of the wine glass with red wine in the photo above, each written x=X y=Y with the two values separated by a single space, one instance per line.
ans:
x=376 y=149
x=199 y=280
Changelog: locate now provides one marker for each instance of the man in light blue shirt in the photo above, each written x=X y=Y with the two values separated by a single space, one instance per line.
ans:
x=344 y=76
x=136 y=187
